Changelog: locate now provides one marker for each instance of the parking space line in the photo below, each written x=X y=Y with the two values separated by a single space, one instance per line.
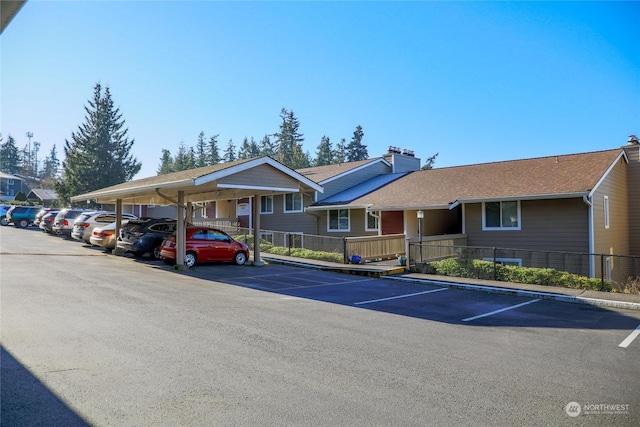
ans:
x=468 y=319
x=632 y=336
x=400 y=296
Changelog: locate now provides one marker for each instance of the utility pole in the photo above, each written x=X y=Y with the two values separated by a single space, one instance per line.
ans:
x=36 y=148
x=29 y=135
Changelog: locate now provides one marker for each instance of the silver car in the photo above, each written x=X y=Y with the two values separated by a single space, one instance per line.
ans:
x=63 y=224
x=84 y=223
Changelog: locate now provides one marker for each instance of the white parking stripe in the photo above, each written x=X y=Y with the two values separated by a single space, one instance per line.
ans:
x=468 y=319
x=630 y=338
x=401 y=296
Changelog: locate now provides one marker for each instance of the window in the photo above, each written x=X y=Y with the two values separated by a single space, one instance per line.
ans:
x=501 y=215
x=372 y=221
x=10 y=192
x=266 y=237
x=10 y=182
x=338 y=220
x=266 y=204
x=606 y=211
x=293 y=202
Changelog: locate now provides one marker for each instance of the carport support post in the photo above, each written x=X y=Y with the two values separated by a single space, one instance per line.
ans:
x=257 y=260
x=181 y=232
x=116 y=250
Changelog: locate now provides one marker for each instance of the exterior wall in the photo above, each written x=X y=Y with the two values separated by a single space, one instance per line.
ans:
x=549 y=225
x=296 y=222
x=9 y=190
x=633 y=185
x=402 y=163
x=349 y=180
x=357 y=225
x=615 y=239
x=392 y=222
x=263 y=175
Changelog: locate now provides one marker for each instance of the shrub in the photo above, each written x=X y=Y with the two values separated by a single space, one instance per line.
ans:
x=478 y=269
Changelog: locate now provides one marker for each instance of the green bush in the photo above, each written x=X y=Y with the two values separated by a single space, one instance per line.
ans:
x=508 y=273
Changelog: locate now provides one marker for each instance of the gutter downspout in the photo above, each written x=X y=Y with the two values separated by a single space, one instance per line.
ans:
x=587 y=200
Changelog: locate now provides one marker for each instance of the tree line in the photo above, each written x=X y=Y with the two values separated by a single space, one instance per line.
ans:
x=285 y=146
x=24 y=162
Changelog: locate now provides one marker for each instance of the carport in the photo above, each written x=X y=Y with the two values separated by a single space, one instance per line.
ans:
x=253 y=177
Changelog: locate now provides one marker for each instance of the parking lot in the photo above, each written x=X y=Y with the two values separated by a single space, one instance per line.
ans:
x=126 y=341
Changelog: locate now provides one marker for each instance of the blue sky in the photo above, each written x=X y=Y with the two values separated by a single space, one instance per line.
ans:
x=473 y=81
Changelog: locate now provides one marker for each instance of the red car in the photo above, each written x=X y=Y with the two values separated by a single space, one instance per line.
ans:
x=205 y=244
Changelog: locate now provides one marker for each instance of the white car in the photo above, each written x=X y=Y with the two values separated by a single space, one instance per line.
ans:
x=85 y=223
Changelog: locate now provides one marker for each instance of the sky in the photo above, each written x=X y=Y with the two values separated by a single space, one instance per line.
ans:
x=475 y=82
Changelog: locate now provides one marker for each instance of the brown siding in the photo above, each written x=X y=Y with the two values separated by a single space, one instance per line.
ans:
x=633 y=186
x=553 y=225
x=263 y=175
x=614 y=239
x=298 y=222
x=353 y=178
x=356 y=225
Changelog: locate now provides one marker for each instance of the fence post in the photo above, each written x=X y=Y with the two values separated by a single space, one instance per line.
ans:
x=495 y=272
x=602 y=270
x=344 y=250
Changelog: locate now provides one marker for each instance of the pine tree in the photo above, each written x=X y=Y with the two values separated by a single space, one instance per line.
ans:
x=324 y=155
x=183 y=159
x=243 y=152
x=213 y=155
x=428 y=164
x=166 y=163
x=289 y=142
x=99 y=153
x=340 y=153
x=230 y=152
x=355 y=149
x=267 y=147
x=254 y=149
x=9 y=156
x=201 y=151
x=50 y=165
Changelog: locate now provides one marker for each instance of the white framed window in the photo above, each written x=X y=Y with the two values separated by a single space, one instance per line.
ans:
x=606 y=211
x=10 y=192
x=266 y=204
x=338 y=220
x=10 y=182
x=501 y=215
x=517 y=262
x=292 y=202
x=372 y=223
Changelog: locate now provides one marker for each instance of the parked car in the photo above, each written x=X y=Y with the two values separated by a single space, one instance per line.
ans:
x=205 y=244
x=3 y=214
x=145 y=235
x=105 y=236
x=42 y=212
x=22 y=216
x=63 y=224
x=46 y=222
x=84 y=223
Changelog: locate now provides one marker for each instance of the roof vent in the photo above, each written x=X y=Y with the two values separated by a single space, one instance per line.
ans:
x=633 y=140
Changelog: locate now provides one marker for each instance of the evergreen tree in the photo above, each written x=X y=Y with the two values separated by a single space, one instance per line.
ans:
x=267 y=147
x=201 y=151
x=355 y=149
x=230 y=152
x=324 y=155
x=183 y=159
x=289 y=142
x=243 y=152
x=213 y=155
x=166 y=163
x=428 y=164
x=51 y=165
x=99 y=153
x=9 y=156
x=340 y=153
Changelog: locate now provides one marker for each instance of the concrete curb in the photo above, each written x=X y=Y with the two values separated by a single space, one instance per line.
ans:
x=520 y=292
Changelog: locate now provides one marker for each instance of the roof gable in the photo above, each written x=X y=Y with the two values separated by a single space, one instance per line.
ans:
x=327 y=173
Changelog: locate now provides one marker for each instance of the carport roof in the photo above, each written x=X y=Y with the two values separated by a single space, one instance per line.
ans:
x=231 y=180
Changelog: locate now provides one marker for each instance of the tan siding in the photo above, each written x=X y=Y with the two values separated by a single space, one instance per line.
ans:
x=356 y=225
x=263 y=175
x=633 y=186
x=615 y=239
x=353 y=178
x=554 y=225
x=298 y=222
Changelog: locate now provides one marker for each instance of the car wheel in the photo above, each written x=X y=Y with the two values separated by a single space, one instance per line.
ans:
x=155 y=252
x=23 y=223
x=190 y=259
x=240 y=258
x=3 y=221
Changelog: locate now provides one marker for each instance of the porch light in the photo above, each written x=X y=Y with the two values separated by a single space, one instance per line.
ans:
x=420 y=214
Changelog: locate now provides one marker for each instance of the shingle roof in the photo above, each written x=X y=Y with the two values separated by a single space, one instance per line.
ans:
x=322 y=173
x=43 y=194
x=539 y=177
x=366 y=187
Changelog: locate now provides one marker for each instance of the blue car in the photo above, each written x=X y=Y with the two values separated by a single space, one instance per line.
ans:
x=3 y=214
